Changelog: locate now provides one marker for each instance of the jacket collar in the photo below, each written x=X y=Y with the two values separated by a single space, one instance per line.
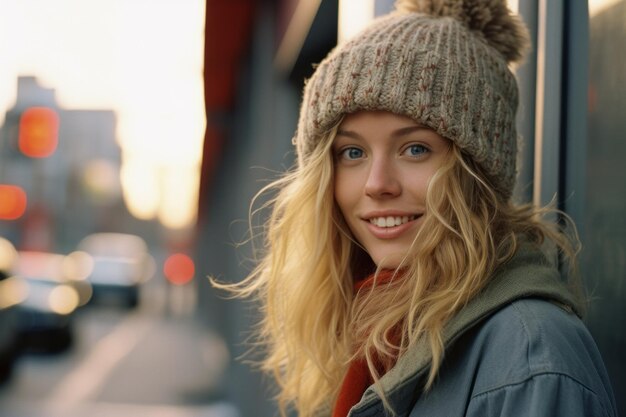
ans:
x=527 y=274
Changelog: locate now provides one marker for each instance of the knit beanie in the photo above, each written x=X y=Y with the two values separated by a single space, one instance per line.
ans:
x=443 y=63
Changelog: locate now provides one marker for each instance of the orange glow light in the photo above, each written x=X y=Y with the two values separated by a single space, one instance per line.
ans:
x=12 y=202
x=39 y=132
x=179 y=269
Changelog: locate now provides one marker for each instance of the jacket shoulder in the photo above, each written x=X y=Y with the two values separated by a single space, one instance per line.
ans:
x=533 y=342
x=529 y=358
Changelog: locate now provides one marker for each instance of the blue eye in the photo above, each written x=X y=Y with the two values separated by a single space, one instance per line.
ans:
x=351 y=153
x=416 y=150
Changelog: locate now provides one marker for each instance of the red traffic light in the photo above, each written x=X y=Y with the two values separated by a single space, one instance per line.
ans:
x=12 y=202
x=39 y=132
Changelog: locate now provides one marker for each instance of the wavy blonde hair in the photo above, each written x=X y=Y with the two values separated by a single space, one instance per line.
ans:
x=314 y=323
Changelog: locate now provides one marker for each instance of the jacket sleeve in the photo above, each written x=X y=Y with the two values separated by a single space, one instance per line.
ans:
x=543 y=395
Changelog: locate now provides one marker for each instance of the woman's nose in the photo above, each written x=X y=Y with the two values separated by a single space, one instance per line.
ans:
x=382 y=181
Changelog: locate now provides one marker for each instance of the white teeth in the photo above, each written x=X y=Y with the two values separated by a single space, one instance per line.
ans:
x=391 y=221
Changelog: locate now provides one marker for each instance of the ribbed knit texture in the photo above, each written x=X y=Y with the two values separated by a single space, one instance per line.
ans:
x=433 y=69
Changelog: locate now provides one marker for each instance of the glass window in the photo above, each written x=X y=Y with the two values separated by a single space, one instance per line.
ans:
x=604 y=221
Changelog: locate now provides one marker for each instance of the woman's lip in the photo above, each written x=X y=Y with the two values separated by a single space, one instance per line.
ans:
x=376 y=214
x=390 y=232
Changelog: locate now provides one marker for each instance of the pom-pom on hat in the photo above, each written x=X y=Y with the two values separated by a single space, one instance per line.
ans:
x=444 y=63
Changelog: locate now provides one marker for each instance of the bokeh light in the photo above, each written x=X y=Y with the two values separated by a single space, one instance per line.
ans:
x=13 y=202
x=63 y=299
x=8 y=256
x=13 y=290
x=179 y=269
x=39 y=132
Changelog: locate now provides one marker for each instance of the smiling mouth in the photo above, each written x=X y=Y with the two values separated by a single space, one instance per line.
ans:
x=391 y=221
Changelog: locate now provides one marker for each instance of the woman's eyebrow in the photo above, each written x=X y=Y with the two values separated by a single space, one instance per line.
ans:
x=349 y=133
x=408 y=130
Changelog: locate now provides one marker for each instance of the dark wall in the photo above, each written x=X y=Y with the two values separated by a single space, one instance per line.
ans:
x=257 y=133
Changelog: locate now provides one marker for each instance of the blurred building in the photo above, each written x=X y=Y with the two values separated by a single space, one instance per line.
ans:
x=68 y=164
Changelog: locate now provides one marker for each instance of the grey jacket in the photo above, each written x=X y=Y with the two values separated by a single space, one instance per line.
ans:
x=515 y=350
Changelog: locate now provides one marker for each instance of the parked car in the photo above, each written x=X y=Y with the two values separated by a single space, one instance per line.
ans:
x=12 y=292
x=121 y=263
x=53 y=293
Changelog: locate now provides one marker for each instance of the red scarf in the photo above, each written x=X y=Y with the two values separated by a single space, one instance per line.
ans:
x=358 y=376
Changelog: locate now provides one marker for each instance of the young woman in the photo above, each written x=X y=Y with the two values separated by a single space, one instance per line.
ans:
x=398 y=277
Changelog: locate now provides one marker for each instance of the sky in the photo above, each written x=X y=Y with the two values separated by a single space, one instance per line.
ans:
x=141 y=58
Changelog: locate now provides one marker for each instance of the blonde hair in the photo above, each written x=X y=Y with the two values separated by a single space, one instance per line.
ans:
x=314 y=323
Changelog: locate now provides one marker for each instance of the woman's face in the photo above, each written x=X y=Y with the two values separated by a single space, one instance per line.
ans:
x=383 y=164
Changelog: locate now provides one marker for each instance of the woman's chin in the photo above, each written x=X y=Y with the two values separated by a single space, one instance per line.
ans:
x=389 y=262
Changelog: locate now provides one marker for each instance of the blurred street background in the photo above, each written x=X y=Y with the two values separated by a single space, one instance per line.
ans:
x=153 y=361
x=133 y=135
